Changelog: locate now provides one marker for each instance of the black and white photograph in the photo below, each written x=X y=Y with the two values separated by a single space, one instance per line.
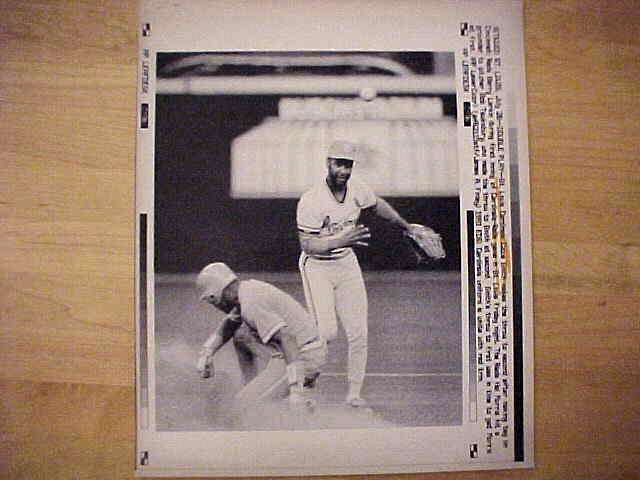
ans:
x=333 y=256
x=310 y=172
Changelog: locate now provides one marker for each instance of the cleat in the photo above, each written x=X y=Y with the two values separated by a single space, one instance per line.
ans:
x=357 y=402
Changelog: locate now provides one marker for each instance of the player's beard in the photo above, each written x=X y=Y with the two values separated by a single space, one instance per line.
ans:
x=342 y=179
x=338 y=180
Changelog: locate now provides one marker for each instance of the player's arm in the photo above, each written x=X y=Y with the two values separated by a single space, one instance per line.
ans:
x=314 y=244
x=272 y=326
x=424 y=241
x=216 y=340
x=222 y=334
x=289 y=345
x=311 y=221
x=295 y=368
x=388 y=213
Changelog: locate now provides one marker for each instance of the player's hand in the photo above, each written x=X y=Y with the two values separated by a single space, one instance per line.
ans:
x=354 y=236
x=204 y=364
x=300 y=403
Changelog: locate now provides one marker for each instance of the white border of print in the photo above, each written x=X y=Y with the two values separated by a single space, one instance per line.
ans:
x=340 y=25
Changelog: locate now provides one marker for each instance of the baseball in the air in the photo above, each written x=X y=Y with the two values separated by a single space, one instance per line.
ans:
x=368 y=94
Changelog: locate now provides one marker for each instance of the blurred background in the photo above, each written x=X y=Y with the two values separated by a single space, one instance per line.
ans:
x=240 y=136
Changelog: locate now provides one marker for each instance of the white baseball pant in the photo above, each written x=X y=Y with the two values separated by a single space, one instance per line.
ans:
x=334 y=289
x=264 y=369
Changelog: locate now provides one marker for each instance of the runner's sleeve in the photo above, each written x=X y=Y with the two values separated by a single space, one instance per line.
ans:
x=267 y=323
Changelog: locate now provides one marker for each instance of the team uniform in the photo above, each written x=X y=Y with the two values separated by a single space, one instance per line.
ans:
x=265 y=310
x=333 y=284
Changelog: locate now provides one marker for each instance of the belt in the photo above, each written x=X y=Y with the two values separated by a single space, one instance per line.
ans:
x=323 y=259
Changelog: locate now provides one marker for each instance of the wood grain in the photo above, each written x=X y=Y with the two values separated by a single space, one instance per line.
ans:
x=67 y=111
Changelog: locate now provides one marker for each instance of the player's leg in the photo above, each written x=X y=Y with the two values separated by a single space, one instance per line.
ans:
x=351 y=305
x=318 y=292
x=270 y=383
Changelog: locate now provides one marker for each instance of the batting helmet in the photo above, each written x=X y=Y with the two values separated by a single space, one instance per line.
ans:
x=213 y=279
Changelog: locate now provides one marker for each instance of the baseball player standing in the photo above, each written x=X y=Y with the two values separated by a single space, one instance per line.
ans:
x=274 y=326
x=327 y=218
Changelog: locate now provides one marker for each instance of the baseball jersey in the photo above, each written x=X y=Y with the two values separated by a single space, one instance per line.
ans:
x=320 y=213
x=267 y=309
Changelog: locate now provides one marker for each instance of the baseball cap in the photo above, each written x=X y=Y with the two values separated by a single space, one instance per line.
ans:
x=213 y=279
x=343 y=150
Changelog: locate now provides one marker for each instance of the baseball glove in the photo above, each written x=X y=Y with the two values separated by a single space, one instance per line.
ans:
x=425 y=243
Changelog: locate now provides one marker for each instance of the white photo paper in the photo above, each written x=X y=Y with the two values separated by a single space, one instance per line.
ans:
x=286 y=324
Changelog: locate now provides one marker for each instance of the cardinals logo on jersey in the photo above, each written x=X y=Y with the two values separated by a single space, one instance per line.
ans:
x=329 y=228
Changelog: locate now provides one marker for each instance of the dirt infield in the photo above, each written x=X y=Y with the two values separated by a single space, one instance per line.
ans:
x=413 y=373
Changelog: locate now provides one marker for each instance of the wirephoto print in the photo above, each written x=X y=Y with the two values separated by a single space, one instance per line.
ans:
x=332 y=244
x=244 y=178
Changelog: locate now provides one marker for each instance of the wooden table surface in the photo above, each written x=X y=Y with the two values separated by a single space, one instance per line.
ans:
x=67 y=116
